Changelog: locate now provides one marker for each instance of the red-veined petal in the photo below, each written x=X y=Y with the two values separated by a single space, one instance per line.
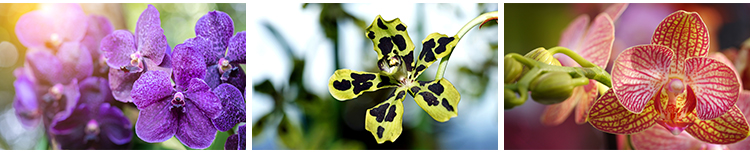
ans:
x=743 y=103
x=723 y=59
x=615 y=10
x=638 y=73
x=588 y=97
x=731 y=127
x=556 y=114
x=573 y=34
x=715 y=86
x=597 y=43
x=658 y=138
x=686 y=34
x=609 y=116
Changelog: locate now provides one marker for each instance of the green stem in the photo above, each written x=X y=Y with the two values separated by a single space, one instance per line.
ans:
x=580 y=60
x=474 y=22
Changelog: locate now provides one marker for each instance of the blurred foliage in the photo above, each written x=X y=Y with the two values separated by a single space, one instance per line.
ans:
x=522 y=34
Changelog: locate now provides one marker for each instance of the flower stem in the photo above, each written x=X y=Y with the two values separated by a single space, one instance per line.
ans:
x=474 y=22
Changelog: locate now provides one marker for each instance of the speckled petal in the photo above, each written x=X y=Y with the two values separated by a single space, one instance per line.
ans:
x=25 y=104
x=609 y=116
x=743 y=103
x=117 y=48
x=205 y=99
x=186 y=64
x=195 y=128
x=217 y=27
x=241 y=131
x=233 y=104
x=232 y=142
x=114 y=123
x=121 y=84
x=157 y=123
x=236 y=50
x=152 y=87
x=150 y=35
x=715 y=86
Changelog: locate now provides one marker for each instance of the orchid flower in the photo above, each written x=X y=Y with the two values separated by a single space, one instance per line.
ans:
x=594 y=46
x=671 y=83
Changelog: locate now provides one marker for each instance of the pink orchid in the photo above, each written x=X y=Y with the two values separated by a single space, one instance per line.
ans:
x=658 y=138
x=594 y=46
x=671 y=83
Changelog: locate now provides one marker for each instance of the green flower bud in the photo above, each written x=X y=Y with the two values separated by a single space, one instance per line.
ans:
x=552 y=87
x=542 y=55
x=513 y=69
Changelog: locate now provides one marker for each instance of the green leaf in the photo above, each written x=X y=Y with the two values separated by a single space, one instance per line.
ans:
x=434 y=47
x=289 y=134
x=259 y=125
x=438 y=98
x=392 y=43
x=346 y=84
x=384 y=120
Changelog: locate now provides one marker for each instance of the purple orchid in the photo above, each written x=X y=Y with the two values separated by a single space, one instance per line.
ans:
x=93 y=126
x=236 y=141
x=51 y=26
x=234 y=107
x=98 y=28
x=223 y=52
x=129 y=55
x=183 y=109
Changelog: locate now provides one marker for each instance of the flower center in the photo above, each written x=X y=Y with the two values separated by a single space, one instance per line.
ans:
x=54 y=41
x=673 y=104
x=135 y=58
x=91 y=130
x=224 y=65
x=54 y=93
x=676 y=86
x=178 y=100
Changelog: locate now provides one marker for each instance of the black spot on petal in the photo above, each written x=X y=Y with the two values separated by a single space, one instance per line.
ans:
x=381 y=25
x=391 y=113
x=447 y=105
x=422 y=83
x=437 y=88
x=380 y=131
x=415 y=89
x=379 y=112
x=427 y=47
x=371 y=35
x=442 y=42
x=384 y=81
x=343 y=85
x=429 y=56
x=400 y=42
x=400 y=27
x=400 y=95
x=430 y=99
x=361 y=82
x=421 y=68
x=409 y=61
x=385 y=45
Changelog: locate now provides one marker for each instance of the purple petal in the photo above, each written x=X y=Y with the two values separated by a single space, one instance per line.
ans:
x=44 y=66
x=217 y=27
x=202 y=45
x=241 y=132
x=236 y=77
x=187 y=64
x=75 y=123
x=195 y=129
x=232 y=142
x=150 y=35
x=152 y=87
x=95 y=91
x=71 y=94
x=121 y=84
x=26 y=102
x=33 y=29
x=99 y=27
x=117 y=48
x=76 y=57
x=70 y=21
x=199 y=92
x=157 y=123
x=233 y=104
x=213 y=77
x=236 y=49
x=166 y=63
x=114 y=124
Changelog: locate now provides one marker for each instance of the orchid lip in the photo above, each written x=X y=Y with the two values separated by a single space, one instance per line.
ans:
x=674 y=127
x=92 y=130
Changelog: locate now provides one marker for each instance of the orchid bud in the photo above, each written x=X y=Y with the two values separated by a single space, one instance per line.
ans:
x=513 y=70
x=552 y=87
x=542 y=55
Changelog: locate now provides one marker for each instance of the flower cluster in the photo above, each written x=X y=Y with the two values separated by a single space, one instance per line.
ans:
x=78 y=67
x=171 y=87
